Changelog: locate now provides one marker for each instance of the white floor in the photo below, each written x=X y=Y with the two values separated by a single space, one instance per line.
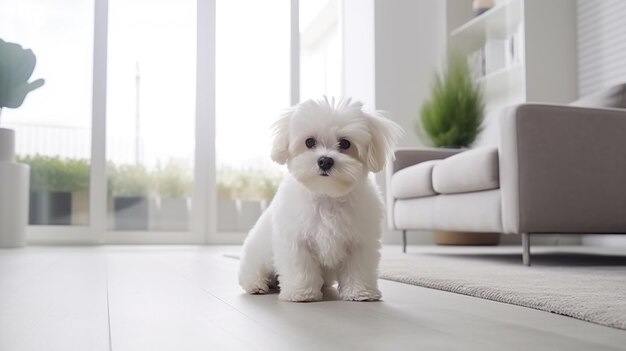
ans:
x=187 y=298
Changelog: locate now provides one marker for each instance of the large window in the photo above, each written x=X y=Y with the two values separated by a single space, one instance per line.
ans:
x=154 y=122
x=53 y=126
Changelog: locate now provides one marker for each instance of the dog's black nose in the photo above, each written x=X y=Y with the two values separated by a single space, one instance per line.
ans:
x=325 y=163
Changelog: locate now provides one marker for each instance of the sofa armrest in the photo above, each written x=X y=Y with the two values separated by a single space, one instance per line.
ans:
x=405 y=157
x=563 y=169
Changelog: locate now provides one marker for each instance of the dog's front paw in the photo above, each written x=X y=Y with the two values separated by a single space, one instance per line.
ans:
x=300 y=295
x=257 y=289
x=359 y=294
x=259 y=286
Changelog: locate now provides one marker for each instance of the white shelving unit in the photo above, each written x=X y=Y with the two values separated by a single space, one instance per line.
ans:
x=500 y=22
x=503 y=81
x=543 y=65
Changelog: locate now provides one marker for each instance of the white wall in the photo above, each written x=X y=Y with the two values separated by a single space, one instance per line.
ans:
x=410 y=44
x=601 y=30
x=357 y=25
x=550 y=43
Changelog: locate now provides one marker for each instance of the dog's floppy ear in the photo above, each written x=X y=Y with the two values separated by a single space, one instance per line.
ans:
x=280 y=145
x=385 y=136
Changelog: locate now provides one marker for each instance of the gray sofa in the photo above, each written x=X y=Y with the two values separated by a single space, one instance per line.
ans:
x=558 y=169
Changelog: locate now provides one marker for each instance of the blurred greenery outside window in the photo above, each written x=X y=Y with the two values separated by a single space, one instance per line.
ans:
x=172 y=180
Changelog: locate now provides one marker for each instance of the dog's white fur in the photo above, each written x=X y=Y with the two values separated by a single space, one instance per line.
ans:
x=319 y=229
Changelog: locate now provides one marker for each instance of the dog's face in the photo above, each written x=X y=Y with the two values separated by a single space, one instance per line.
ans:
x=329 y=147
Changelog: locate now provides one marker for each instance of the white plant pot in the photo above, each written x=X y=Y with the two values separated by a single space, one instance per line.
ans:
x=14 y=183
x=226 y=215
x=80 y=208
x=249 y=213
x=173 y=214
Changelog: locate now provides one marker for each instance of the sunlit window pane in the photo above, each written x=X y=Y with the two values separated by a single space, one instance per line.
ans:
x=320 y=49
x=151 y=113
x=252 y=89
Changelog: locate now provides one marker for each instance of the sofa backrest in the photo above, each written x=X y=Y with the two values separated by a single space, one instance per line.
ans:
x=612 y=97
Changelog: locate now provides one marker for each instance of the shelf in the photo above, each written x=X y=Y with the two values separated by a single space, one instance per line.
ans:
x=503 y=81
x=499 y=22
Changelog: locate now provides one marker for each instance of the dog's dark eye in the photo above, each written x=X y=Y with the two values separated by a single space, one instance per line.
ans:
x=310 y=143
x=344 y=144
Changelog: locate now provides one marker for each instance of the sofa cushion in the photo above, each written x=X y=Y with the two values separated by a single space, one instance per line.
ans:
x=414 y=181
x=614 y=97
x=472 y=170
x=470 y=212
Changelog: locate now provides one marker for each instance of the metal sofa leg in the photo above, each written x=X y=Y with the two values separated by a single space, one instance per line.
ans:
x=526 y=249
x=404 y=241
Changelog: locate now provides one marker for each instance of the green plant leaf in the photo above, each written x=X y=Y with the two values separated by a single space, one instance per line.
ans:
x=16 y=67
x=453 y=115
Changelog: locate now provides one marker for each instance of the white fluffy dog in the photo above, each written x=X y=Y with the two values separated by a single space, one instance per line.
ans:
x=324 y=223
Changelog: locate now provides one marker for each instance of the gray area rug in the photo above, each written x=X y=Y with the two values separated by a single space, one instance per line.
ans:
x=572 y=281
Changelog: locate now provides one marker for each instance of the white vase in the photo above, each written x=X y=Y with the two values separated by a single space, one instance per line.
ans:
x=14 y=183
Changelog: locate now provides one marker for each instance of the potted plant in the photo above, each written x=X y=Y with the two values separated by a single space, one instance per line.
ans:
x=242 y=195
x=267 y=187
x=173 y=186
x=249 y=203
x=226 y=204
x=16 y=67
x=77 y=172
x=454 y=114
x=53 y=182
x=453 y=118
x=129 y=186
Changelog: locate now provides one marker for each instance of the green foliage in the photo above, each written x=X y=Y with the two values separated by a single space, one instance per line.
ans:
x=225 y=183
x=268 y=184
x=16 y=67
x=170 y=181
x=57 y=174
x=128 y=180
x=247 y=184
x=173 y=180
x=453 y=115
